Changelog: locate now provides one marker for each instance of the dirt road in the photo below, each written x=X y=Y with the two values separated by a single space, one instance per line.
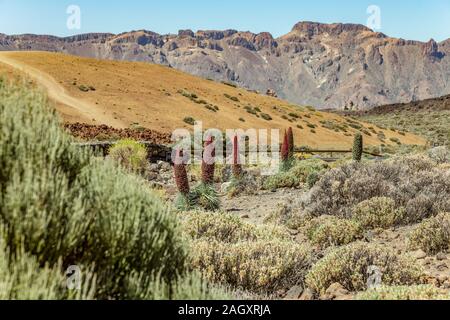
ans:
x=57 y=93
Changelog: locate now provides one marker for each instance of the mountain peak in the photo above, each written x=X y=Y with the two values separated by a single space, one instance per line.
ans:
x=316 y=28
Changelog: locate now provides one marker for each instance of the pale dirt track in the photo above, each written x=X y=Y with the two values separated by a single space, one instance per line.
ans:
x=57 y=93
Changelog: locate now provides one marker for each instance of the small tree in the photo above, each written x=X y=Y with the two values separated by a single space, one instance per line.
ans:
x=358 y=147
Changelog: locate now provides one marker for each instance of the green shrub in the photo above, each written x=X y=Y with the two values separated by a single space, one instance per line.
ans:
x=358 y=146
x=418 y=292
x=131 y=155
x=413 y=182
x=261 y=266
x=189 y=120
x=432 y=235
x=378 y=212
x=227 y=228
x=251 y=110
x=189 y=95
x=312 y=179
x=282 y=180
x=349 y=266
x=211 y=108
x=22 y=278
x=206 y=197
x=184 y=202
x=440 y=154
x=230 y=84
x=83 y=88
x=286 y=216
x=297 y=175
x=235 y=99
x=188 y=287
x=220 y=227
x=59 y=203
x=266 y=116
x=326 y=231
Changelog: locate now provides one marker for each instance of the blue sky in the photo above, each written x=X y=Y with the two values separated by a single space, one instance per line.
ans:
x=413 y=19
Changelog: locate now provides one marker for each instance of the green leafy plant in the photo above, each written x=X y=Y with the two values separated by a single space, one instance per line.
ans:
x=130 y=154
x=205 y=196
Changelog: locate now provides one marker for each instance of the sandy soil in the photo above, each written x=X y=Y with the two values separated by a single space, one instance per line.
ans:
x=130 y=93
x=56 y=92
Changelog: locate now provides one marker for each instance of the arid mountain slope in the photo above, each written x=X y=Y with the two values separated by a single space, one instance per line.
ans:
x=428 y=118
x=328 y=66
x=126 y=94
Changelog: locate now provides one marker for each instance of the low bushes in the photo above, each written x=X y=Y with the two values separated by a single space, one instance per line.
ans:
x=260 y=266
x=220 y=227
x=288 y=216
x=440 y=155
x=191 y=286
x=131 y=155
x=189 y=120
x=260 y=259
x=412 y=182
x=378 y=212
x=418 y=292
x=432 y=235
x=349 y=266
x=22 y=278
x=327 y=231
x=301 y=172
x=60 y=205
x=227 y=228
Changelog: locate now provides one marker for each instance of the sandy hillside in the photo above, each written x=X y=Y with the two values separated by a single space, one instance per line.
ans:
x=123 y=94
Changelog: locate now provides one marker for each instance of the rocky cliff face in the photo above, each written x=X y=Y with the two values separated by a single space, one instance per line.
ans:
x=325 y=65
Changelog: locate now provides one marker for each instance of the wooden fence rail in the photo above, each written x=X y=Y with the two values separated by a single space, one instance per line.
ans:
x=159 y=152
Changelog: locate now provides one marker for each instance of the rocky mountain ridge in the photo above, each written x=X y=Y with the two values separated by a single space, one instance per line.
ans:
x=343 y=66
